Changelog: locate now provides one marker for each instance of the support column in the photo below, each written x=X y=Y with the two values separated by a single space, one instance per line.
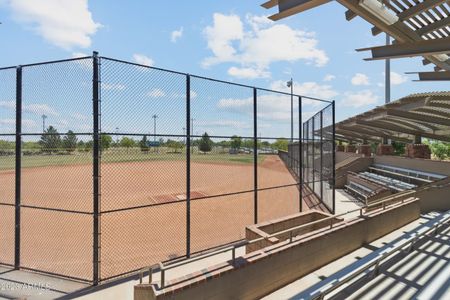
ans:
x=255 y=154
x=188 y=166
x=18 y=167
x=96 y=168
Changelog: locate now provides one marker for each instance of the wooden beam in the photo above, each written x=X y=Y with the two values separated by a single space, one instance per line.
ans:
x=419 y=48
x=419 y=8
x=350 y=15
x=434 y=76
x=270 y=4
x=434 y=26
x=291 y=7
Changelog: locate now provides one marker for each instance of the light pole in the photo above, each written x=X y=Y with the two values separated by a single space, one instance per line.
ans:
x=117 y=136
x=290 y=84
x=154 y=127
x=43 y=122
x=184 y=134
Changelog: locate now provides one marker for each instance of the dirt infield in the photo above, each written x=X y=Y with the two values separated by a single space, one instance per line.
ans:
x=61 y=242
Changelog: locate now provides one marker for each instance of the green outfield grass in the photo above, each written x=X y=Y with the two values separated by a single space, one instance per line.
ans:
x=123 y=155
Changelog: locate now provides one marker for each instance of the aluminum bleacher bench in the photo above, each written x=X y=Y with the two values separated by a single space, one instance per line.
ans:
x=408 y=173
x=394 y=184
x=359 y=190
x=374 y=259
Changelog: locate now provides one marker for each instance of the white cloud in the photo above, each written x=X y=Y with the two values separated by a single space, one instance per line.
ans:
x=8 y=104
x=360 y=79
x=259 y=44
x=220 y=36
x=311 y=89
x=274 y=106
x=143 y=59
x=249 y=73
x=39 y=109
x=225 y=123
x=359 y=99
x=80 y=117
x=64 y=23
x=12 y=122
x=397 y=79
x=34 y=108
x=176 y=34
x=79 y=54
x=156 y=93
x=329 y=77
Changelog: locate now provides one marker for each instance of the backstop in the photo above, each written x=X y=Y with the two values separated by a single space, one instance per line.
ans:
x=107 y=166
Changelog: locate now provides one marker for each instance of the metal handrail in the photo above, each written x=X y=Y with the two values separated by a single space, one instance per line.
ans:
x=233 y=248
x=383 y=256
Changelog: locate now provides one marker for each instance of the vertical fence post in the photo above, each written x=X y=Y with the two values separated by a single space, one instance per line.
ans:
x=307 y=153
x=300 y=152
x=188 y=166
x=321 y=155
x=255 y=153
x=313 y=125
x=18 y=167
x=334 y=157
x=96 y=166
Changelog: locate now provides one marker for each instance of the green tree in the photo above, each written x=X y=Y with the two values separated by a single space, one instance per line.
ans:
x=50 y=140
x=175 y=145
x=143 y=144
x=205 y=144
x=399 y=147
x=236 y=142
x=81 y=145
x=281 y=144
x=70 y=141
x=127 y=143
x=440 y=150
x=105 y=142
x=88 y=146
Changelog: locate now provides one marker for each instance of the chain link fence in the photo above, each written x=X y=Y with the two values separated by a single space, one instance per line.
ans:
x=107 y=166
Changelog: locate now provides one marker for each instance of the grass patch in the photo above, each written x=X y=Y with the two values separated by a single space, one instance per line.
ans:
x=122 y=155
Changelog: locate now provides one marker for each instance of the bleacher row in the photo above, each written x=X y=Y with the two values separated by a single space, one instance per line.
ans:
x=382 y=180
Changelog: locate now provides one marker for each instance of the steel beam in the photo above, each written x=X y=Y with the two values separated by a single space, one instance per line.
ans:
x=418 y=117
x=381 y=124
x=419 y=48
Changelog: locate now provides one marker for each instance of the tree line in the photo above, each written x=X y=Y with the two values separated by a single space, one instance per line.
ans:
x=52 y=142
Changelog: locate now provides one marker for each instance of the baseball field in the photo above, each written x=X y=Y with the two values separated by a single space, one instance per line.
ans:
x=143 y=219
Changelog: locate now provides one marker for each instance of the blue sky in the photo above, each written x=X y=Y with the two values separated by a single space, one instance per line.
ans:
x=230 y=40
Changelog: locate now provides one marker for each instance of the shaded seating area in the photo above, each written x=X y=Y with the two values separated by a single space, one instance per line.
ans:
x=406 y=175
x=381 y=180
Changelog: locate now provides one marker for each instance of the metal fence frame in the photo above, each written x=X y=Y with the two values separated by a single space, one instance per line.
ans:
x=294 y=157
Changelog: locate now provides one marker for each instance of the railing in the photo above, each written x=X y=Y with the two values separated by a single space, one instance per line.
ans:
x=320 y=290
x=163 y=268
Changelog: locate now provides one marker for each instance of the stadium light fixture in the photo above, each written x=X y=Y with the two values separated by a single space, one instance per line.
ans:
x=378 y=9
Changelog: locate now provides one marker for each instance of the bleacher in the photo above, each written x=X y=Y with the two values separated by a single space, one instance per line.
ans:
x=374 y=182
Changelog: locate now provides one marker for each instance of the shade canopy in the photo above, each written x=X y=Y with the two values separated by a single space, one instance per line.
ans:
x=419 y=28
x=424 y=115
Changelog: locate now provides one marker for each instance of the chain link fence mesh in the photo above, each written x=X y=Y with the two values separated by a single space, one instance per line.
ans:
x=7 y=163
x=182 y=167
